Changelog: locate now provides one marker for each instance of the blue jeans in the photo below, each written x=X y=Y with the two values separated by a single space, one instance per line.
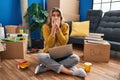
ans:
x=68 y=62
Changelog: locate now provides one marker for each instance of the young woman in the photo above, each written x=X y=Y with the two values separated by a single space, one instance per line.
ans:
x=56 y=33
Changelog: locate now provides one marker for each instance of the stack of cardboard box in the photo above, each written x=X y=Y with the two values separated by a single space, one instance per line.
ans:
x=70 y=8
x=14 y=49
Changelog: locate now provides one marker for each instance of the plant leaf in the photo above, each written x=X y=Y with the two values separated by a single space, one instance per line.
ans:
x=37 y=16
x=37 y=20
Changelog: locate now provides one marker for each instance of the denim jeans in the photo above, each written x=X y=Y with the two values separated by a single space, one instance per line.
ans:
x=68 y=62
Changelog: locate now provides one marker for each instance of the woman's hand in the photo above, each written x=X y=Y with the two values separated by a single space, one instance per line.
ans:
x=55 y=26
x=57 y=23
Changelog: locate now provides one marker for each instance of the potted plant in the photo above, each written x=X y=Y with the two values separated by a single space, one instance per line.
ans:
x=37 y=17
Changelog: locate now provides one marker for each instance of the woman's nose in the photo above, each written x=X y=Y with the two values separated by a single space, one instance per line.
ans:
x=56 y=17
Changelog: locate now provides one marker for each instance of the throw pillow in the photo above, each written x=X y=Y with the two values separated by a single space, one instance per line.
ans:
x=80 y=29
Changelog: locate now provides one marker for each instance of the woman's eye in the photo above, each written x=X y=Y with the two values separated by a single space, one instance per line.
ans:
x=53 y=15
x=58 y=15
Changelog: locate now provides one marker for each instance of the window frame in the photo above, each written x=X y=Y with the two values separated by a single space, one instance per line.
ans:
x=102 y=2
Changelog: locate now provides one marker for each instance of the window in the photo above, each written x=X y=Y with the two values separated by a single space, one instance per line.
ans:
x=115 y=6
x=97 y=6
x=106 y=1
x=97 y=1
x=106 y=5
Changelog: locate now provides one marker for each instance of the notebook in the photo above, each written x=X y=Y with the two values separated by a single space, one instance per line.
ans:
x=61 y=51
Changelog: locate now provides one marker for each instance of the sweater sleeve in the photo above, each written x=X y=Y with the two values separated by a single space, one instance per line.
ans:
x=63 y=35
x=49 y=41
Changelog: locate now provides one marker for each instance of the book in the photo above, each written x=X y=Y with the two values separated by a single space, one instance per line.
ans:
x=96 y=34
x=97 y=42
x=93 y=38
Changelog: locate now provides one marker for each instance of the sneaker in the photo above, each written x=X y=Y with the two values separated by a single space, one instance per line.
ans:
x=73 y=68
x=40 y=68
x=79 y=72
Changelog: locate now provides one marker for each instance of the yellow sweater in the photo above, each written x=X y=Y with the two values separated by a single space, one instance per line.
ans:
x=61 y=37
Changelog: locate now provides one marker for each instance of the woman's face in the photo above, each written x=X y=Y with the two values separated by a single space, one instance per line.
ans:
x=55 y=16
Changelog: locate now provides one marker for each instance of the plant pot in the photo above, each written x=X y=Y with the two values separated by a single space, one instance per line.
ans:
x=39 y=44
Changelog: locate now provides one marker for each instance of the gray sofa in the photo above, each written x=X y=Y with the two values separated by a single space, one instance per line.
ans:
x=94 y=16
x=109 y=25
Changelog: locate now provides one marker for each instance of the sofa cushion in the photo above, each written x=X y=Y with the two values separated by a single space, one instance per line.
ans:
x=76 y=40
x=70 y=26
x=115 y=45
x=110 y=26
x=80 y=29
x=95 y=17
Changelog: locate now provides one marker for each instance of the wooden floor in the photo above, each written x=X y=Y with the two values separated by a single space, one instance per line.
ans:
x=99 y=71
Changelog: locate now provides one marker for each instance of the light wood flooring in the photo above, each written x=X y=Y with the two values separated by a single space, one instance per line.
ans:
x=99 y=71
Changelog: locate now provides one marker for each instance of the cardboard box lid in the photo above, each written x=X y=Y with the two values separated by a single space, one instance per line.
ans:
x=1 y=47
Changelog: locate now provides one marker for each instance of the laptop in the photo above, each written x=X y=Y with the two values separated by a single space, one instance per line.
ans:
x=61 y=51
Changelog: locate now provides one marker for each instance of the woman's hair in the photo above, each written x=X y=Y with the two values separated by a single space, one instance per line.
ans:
x=50 y=15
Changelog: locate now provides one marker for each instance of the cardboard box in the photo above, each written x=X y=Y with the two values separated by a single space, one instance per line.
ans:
x=1 y=50
x=19 y=37
x=71 y=17
x=11 y=29
x=1 y=47
x=97 y=52
x=15 y=50
x=67 y=6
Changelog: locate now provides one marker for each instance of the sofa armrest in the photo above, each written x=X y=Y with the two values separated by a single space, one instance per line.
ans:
x=70 y=26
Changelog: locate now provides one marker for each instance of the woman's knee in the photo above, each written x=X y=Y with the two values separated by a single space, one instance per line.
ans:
x=43 y=56
x=75 y=58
